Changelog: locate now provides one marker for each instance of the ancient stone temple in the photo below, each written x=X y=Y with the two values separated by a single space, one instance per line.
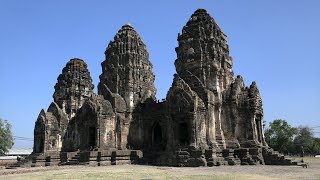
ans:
x=208 y=118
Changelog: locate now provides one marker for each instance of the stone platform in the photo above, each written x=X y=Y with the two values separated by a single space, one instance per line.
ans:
x=180 y=158
x=186 y=157
x=91 y=158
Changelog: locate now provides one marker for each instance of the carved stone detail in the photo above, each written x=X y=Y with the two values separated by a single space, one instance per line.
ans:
x=208 y=118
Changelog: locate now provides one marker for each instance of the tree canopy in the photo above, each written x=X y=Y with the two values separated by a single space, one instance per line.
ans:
x=287 y=139
x=6 y=139
x=280 y=136
x=306 y=139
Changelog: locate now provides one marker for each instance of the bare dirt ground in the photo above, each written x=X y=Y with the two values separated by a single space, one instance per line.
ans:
x=4 y=162
x=154 y=172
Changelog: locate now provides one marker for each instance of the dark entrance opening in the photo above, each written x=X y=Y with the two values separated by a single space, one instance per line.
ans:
x=118 y=133
x=183 y=134
x=40 y=147
x=92 y=137
x=259 y=127
x=157 y=134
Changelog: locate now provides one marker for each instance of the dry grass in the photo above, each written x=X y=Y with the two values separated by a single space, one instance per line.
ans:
x=153 y=172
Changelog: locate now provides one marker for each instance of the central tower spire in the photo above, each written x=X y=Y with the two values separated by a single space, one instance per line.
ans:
x=127 y=70
x=203 y=51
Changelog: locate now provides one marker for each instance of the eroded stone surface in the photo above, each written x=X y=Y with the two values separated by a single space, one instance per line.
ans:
x=73 y=87
x=127 y=70
x=208 y=118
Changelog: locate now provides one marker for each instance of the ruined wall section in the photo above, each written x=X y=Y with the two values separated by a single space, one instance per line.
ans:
x=46 y=133
x=186 y=114
x=92 y=127
x=243 y=115
x=154 y=126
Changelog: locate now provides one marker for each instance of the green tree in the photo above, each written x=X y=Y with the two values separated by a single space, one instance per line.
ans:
x=6 y=139
x=279 y=135
x=305 y=138
x=315 y=147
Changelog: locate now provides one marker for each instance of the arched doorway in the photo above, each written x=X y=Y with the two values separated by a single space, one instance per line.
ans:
x=157 y=134
x=259 y=128
x=183 y=133
x=92 y=137
x=40 y=145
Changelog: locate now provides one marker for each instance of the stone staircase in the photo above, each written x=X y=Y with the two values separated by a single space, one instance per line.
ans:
x=228 y=155
x=101 y=157
x=23 y=162
x=70 y=158
x=73 y=161
x=249 y=156
x=149 y=158
x=182 y=158
x=189 y=158
x=214 y=157
x=33 y=160
x=272 y=157
x=217 y=157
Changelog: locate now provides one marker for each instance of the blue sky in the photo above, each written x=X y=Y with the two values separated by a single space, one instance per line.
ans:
x=275 y=43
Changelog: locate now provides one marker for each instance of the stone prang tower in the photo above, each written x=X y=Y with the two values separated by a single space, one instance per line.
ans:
x=127 y=81
x=74 y=86
x=209 y=117
x=204 y=65
x=127 y=70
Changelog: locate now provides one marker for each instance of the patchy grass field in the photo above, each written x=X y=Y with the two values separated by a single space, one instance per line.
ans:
x=153 y=172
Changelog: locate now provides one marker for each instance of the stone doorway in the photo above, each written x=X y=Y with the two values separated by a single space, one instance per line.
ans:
x=259 y=127
x=183 y=133
x=157 y=134
x=40 y=145
x=92 y=137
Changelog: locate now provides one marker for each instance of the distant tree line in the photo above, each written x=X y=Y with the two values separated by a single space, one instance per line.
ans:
x=289 y=140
